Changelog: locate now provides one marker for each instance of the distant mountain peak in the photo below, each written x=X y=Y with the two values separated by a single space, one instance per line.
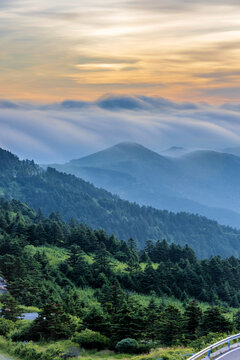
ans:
x=233 y=150
x=208 y=153
x=176 y=148
x=128 y=145
x=122 y=152
x=175 y=151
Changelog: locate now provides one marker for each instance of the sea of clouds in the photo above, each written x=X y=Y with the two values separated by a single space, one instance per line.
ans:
x=62 y=131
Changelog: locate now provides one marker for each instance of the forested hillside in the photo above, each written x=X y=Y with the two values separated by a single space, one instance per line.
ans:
x=74 y=198
x=93 y=258
x=95 y=290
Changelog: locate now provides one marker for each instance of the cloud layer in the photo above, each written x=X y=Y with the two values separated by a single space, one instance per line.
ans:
x=70 y=129
x=181 y=49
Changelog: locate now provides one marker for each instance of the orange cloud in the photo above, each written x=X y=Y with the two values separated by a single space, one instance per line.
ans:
x=55 y=49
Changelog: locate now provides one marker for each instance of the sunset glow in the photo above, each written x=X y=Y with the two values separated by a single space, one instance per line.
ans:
x=52 y=50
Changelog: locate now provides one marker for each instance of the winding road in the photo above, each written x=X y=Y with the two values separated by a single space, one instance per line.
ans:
x=233 y=354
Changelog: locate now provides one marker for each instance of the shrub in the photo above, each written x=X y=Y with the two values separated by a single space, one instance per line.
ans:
x=210 y=338
x=92 y=340
x=27 y=351
x=31 y=351
x=127 y=345
x=73 y=352
x=144 y=349
x=3 y=344
x=6 y=326
x=20 y=333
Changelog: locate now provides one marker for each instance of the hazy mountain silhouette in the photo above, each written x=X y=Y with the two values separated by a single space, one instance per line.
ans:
x=234 y=151
x=204 y=182
x=175 y=151
x=77 y=199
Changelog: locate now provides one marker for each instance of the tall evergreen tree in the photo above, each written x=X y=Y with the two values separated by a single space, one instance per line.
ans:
x=10 y=308
x=192 y=319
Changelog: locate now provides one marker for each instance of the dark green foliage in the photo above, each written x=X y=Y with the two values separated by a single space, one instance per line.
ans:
x=21 y=333
x=236 y=320
x=192 y=319
x=111 y=296
x=52 y=324
x=171 y=325
x=144 y=348
x=89 y=339
x=127 y=345
x=6 y=326
x=129 y=321
x=97 y=320
x=10 y=309
x=101 y=260
x=34 y=279
x=214 y=321
x=152 y=319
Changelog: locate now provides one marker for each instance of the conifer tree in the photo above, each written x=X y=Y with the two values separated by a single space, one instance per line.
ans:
x=10 y=308
x=51 y=324
x=171 y=325
x=215 y=321
x=192 y=319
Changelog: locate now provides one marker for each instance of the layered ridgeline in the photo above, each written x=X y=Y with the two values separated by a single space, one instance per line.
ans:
x=51 y=190
x=200 y=182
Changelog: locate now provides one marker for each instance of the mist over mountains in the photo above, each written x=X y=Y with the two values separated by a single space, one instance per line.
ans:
x=58 y=132
x=74 y=198
x=203 y=182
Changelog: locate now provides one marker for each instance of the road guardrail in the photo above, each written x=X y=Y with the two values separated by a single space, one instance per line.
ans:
x=214 y=346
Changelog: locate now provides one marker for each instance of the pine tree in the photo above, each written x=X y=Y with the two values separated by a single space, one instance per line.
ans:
x=171 y=325
x=192 y=319
x=152 y=319
x=10 y=308
x=236 y=320
x=102 y=263
x=51 y=324
x=128 y=322
x=97 y=320
x=111 y=296
x=215 y=321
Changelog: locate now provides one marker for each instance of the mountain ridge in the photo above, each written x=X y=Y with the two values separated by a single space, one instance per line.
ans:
x=193 y=182
x=75 y=198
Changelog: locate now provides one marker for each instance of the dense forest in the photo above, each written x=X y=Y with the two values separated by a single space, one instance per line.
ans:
x=46 y=263
x=93 y=258
x=74 y=198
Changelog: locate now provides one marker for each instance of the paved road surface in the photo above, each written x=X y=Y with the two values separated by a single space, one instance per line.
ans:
x=233 y=354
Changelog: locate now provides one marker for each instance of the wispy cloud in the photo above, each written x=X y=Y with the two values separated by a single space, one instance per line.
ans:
x=70 y=129
x=51 y=49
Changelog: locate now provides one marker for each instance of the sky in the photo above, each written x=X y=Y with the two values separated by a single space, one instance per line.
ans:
x=79 y=76
x=184 y=50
